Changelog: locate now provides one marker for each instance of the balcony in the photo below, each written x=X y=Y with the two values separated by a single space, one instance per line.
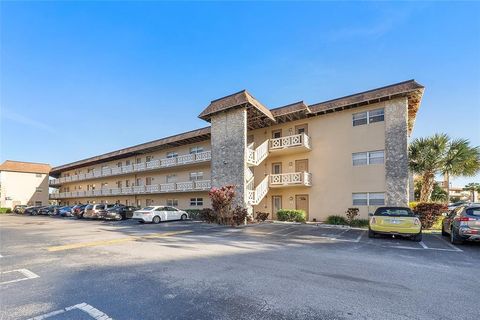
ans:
x=295 y=179
x=189 y=186
x=293 y=143
x=137 y=167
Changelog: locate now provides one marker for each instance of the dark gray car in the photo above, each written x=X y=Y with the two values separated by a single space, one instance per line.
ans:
x=462 y=224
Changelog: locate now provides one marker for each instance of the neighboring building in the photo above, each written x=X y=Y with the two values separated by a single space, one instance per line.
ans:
x=23 y=183
x=458 y=192
x=322 y=158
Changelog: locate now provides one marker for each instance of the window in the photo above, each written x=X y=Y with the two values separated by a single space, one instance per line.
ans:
x=196 y=176
x=119 y=164
x=359 y=118
x=148 y=202
x=360 y=199
x=376 y=157
x=366 y=117
x=38 y=175
x=371 y=199
x=127 y=163
x=369 y=157
x=119 y=184
x=138 y=160
x=127 y=183
x=149 y=158
x=172 y=154
x=172 y=202
x=38 y=189
x=276 y=168
x=196 y=149
x=194 y=202
x=376 y=115
x=376 y=199
x=359 y=158
x=148 y=181
x=276 y=134
x=38 y=203
x=138 y=182
x=171 y=178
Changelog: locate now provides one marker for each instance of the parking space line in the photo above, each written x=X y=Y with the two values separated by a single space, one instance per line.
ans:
x=449 y=244
x=26 y=273
x=424 y=246
x=114 y=241
x=84 y=307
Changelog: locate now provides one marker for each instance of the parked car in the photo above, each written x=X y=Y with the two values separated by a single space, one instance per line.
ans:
x=454 y=205
x=119 y=212
x=156 y=214
x=93 y=211
x=19 y=208
x=79 y=210
x=50 y=210
x=398 y=221
x=462 y=224
x=33 y=211
x=65 y=211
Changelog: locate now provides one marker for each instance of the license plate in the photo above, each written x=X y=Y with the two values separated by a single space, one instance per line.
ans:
x=393 y=221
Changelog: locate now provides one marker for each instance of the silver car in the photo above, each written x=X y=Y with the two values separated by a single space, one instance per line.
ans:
x=462 y=224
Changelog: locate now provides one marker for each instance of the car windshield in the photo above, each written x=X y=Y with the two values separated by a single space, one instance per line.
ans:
x=148 y=208
x=473 y=211
x=89 y=207
x=394 y=212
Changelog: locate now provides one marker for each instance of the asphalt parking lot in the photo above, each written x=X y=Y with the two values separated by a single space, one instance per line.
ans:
x=54 y=268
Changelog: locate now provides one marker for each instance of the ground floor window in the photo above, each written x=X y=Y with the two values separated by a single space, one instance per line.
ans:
x=194 y=202
x=38 y=203
x=172 y=202
x=148 y=202
x=368 y=198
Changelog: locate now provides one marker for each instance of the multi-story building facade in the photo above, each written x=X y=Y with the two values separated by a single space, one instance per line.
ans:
x=322 y=158
x=23 y=183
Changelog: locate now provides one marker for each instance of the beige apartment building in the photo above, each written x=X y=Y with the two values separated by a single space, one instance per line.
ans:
x=23 y=183
x=323 y=158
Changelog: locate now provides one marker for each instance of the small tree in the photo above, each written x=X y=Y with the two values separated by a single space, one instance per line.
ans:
x=472 y=187
x=222 y=199
x=351 y=213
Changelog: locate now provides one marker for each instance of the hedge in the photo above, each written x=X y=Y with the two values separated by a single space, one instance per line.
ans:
x=337 y=220
x=429 y=213
x=291 y=215
x=5 y=210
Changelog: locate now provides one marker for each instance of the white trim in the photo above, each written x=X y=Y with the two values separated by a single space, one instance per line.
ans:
x=27 y=275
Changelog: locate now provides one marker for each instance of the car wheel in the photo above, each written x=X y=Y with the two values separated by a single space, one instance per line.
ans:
x=156 y=219
x=118 y=217
x=444 y=233
x=418 y=237
x=34 y=213
x=184 y=217
x=454 y=239
x=371 y=234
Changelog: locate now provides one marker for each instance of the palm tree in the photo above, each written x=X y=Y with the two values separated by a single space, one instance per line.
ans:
x=472 y=187
x=439 y=154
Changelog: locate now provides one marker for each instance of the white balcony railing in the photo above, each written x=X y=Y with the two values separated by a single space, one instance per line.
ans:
x=255 y=157
x=289 y=179
x=203 y=185
x=255 y=196
x=138 y=167
x=296 y=140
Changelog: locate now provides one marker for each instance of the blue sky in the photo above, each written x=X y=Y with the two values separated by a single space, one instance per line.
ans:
x=83 y=78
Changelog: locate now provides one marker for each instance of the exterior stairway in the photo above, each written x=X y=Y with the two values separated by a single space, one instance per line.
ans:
x=254 y=158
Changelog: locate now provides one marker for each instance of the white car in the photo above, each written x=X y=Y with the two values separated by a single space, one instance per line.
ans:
x=156 y=214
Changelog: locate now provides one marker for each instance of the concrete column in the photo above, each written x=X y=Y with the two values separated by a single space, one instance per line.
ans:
x=229 y=143
x=396 y=154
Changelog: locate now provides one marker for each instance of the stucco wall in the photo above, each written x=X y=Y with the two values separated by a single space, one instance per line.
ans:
x=22 y=188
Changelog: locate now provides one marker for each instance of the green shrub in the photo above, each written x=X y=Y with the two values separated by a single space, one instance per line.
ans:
x=359 y=223
x=338 y=220
x=262 y=216
x=429 y=213
x=239 y=216
x=291 y=215
x=5 y=210
x=207 y=215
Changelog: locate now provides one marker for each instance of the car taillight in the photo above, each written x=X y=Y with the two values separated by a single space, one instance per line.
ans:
x=416 y=221
x=373 y=221
x=465 y=219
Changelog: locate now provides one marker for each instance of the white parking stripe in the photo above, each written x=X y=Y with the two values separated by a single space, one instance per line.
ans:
x=88 y=309
x=424 y=246
x=27 y=275
x=449 y=244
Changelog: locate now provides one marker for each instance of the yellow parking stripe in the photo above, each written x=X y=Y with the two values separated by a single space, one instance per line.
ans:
x=113 y=241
